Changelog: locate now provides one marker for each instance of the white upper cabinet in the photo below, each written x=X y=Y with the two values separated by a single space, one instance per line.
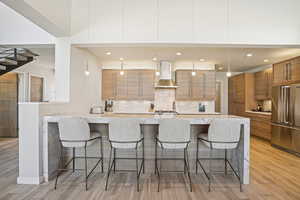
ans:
x=210 y=21
x=190 y=21
x=139 y=20
x=175 y=20
x=106 y=20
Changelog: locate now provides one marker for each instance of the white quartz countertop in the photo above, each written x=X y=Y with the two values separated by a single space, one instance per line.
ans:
x=146 y=118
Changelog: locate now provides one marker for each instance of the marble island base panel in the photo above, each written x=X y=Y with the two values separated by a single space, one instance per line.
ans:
x=51 y=147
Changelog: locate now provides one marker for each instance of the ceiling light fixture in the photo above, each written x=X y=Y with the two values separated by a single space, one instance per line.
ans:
x=108 y=53
x=249 y=54
x=266 y=60
x=178 y=53
x=87 y=72
x=121 y=59
x=154 y=59
x=193 y=72
x=228 y=73
x=202 y=60
x=122 y=70
x=157 y=73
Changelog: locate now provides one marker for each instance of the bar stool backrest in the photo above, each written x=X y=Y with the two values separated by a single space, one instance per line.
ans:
x=73 y=129
x=174 y=130
x=124 y=130
x=224 y=130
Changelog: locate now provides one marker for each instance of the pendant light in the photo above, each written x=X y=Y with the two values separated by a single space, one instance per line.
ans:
x=122 y=67
x=157 y=72
x=87 y=72
x=228 y=74
x=193 y=72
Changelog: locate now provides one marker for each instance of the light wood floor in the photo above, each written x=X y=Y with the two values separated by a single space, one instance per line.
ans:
x=274 y=175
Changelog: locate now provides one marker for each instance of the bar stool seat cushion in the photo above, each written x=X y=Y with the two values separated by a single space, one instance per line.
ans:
x=82 y=144
x=171 y=146
x=223 y=132
x=125 y=145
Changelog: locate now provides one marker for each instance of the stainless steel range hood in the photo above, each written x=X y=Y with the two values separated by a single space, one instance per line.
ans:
x=165 y=79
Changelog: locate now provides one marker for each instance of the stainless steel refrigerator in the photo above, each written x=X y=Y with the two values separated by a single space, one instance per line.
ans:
x=286 y=118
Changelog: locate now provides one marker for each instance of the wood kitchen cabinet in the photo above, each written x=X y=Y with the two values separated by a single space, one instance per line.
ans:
x=295 y=69
x=263 y=84
x=133 y=85
x=286 y=72
x=260 y=125
x=241 y=94
x=201 y=87
x=109 y=79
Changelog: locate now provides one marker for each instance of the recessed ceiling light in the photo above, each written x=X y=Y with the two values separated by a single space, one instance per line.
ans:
x=108 y=53
x=202 y=60
x=121 y=59
x=178 y=53
x=220 y=68
x=154 y=59
x=249 y=54
x=266 y=60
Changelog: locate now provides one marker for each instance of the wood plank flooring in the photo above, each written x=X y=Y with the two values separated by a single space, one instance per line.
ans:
x=274 y=175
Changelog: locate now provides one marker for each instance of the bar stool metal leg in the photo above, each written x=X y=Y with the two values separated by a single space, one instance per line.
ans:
x=188 y=167
x=210 y=169
x=184 y=161
x=197 y=156
x=114 y=161
x=73 y=159
x=137 y=169
x=225 y=161
x=60 y=164
x=110 y=165
x=85 y=164
x=101 y=153
x=143 y=156
x=238 y=168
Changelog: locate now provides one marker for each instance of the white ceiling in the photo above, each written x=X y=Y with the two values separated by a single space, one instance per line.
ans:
x=212 y=55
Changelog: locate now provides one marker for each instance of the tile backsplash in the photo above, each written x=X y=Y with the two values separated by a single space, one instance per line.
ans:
x=144 y=106
x=193 y=106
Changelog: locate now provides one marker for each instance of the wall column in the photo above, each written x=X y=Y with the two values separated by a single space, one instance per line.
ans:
x=62 y=69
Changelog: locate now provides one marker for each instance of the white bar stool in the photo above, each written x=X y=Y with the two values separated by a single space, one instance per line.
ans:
x=125 y=134
x=223 y=134
x=75 y=133
x=173 y=134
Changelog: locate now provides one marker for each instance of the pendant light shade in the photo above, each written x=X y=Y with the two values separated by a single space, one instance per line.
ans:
x=87 y=72
x=122 y=70
x=193 y=72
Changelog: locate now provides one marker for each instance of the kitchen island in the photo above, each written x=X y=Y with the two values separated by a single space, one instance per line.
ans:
x=99 y=122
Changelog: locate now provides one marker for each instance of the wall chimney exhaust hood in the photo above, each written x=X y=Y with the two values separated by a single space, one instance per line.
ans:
x=165 y=79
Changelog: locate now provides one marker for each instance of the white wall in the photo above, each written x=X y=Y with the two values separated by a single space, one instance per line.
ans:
x=192 y=21
x=16 y=29
x=84 y=93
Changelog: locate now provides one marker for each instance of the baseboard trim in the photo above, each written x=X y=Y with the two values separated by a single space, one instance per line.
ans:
x=30 y=180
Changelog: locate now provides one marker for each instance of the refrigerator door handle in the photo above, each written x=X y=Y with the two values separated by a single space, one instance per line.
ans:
x=285 y=126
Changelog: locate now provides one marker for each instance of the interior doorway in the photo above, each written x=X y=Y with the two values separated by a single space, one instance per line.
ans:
x=9 y=105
